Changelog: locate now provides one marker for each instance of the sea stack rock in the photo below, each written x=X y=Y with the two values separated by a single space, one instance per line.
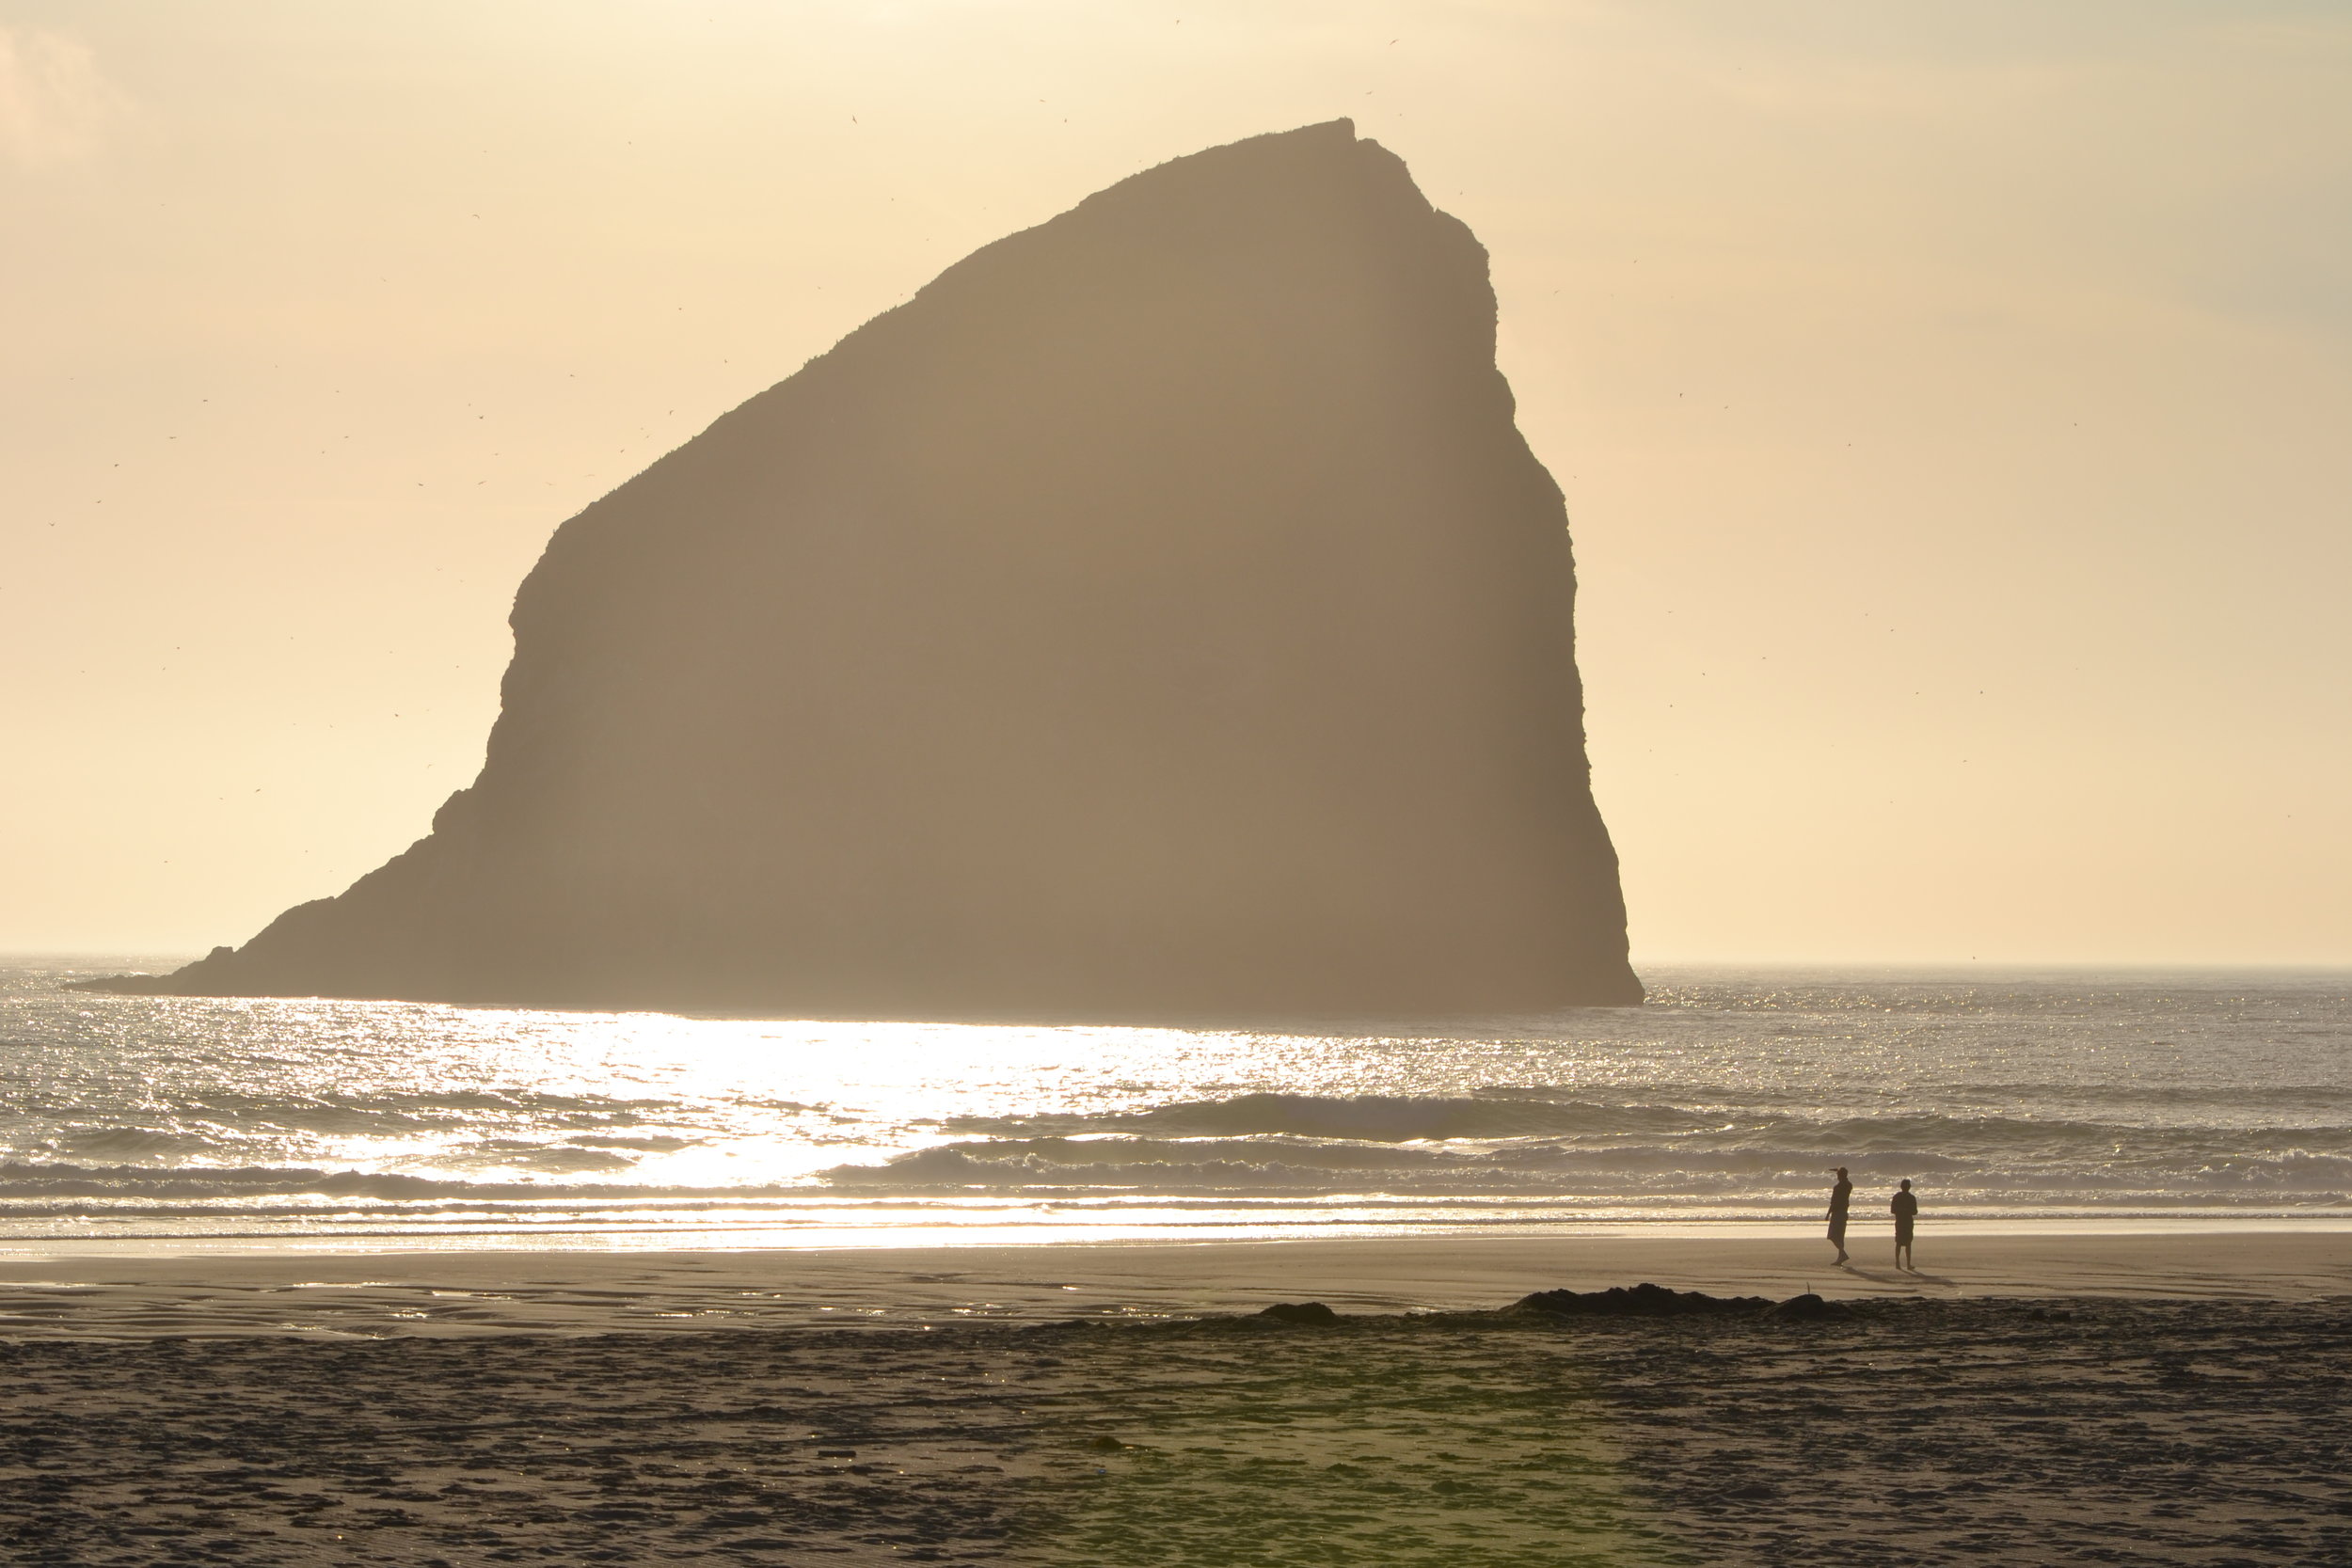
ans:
x=1158 y=617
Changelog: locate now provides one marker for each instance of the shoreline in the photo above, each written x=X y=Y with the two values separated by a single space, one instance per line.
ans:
x=856 y=1237
x=350 y=1293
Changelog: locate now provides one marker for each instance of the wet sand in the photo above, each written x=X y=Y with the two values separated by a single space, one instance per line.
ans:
x=99 y=1291
x=2135 y=1399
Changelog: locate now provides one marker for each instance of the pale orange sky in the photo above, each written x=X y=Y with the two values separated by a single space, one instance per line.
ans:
x=1950 y=402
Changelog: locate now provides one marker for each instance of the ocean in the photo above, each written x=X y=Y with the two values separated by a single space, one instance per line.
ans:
x=2123 y=1096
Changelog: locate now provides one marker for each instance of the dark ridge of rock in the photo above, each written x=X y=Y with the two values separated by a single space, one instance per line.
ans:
x=1307 y=1313
x=1159 y=616
x=1642 y=1301
x=1810 y=1307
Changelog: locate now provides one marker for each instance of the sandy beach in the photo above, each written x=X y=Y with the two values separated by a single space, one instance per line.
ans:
x=2048 y=1398
x=202 y=1288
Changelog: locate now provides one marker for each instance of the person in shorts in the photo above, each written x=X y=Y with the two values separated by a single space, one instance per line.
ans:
x=1906 y=1208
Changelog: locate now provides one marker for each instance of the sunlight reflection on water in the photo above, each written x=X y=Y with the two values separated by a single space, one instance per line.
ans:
x=1727 y=1097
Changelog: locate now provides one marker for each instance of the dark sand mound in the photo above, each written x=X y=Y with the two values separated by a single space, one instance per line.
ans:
x=1159 y=615
x=1642 y=1301
x=1310 y=1314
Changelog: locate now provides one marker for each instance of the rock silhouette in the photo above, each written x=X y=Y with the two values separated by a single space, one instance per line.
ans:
x=1159 y=616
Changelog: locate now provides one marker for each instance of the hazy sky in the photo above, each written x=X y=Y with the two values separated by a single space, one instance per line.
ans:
x=1952 y=401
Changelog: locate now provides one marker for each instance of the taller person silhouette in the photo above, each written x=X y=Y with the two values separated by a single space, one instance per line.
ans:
x=1906 y=1208
x=1841 y=1197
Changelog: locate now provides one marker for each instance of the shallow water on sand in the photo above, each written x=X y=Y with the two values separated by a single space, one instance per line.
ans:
x=1728 y=1096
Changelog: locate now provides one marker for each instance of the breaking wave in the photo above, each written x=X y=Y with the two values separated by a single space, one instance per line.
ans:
x=1277 y=1142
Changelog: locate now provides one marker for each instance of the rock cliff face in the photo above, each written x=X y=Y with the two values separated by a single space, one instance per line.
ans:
x=1159 y=616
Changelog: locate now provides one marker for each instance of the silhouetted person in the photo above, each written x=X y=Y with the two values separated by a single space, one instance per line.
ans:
x=1906 y=1208
x=1841 y=1197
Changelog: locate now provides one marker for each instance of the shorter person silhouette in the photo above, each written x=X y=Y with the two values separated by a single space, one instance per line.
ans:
x=1906 y=1208
x=1839 y=1196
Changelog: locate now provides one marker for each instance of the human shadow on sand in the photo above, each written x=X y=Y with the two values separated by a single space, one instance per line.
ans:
x=1900 y=1276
